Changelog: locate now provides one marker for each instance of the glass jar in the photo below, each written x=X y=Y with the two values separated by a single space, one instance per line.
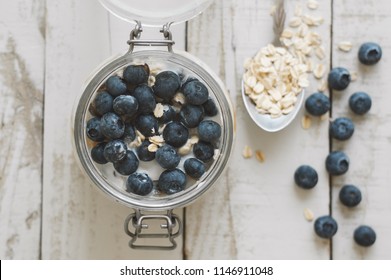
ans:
x=155 y=206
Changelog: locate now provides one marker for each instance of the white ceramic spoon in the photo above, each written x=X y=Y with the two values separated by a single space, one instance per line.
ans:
x=264 y=121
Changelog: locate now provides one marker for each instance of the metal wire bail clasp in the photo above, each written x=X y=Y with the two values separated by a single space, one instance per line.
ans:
x=170 y=224
x=135 y=35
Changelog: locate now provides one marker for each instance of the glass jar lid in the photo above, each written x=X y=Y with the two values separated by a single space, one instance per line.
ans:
x=156 y=12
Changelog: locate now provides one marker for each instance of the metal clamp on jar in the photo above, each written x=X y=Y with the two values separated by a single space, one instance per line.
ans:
x=153 y=218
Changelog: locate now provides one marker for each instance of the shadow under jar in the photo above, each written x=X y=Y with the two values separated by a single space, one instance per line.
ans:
x=157 y=206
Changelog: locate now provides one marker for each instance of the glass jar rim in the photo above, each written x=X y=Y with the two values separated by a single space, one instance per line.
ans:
x=179 y=199
x=155 y=12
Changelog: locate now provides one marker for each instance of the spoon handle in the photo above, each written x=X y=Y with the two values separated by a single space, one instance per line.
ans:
x=278 y=22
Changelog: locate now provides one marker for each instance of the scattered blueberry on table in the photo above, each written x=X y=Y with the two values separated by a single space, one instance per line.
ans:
x=317 y=104
x=341 y=128
x=360 y=103
x=369 y=53
x=350 y=195
x=364 y=236
x=306 y=177
x=137 y=118
x=325 y=227
x=337 y=163
x=339 y=78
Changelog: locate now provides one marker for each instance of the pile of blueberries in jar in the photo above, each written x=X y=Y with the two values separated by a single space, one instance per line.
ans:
x=342 y=128
x=162 y=118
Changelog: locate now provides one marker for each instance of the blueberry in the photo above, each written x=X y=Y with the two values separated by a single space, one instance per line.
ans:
x=191 y=115
x=317 y=104
x=339 y=78
x=139 y=183
x=166 y=85
x=143 y=153
x=341 y=129
x=210 y=108
x=364 y=236
x=125 y=105
x=129 y=133
x=172 y=181
x=127 y=165
x=136 y=74
x=194 y=168
x=337 y=163
x=350 y=195
x=145 y=98
x=188 y=80
x=325 y=226
x=306 y=177
x=103 y=103
x=167 y=157
x=369 y=53
x=115 y=150
x=196 y=93
x=175 y=134
x=147 y=125
x=94 y=130
x=203 y=151
x=112 y=126
x=169 y=114
x=115 y=86
x=360 y=103
x=97 y=153
x=209 y=131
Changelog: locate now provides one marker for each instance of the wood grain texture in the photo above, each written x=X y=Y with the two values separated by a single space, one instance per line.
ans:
x=79 y=222
x=21 y=94
x=255 y=211
x=369 y=149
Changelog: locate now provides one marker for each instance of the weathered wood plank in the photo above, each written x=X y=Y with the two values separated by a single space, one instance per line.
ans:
x=79 y=222
x=255 y=210
x=369 y=148
x=22 y=25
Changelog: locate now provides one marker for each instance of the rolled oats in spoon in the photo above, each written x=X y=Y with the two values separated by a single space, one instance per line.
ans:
x=274 y=80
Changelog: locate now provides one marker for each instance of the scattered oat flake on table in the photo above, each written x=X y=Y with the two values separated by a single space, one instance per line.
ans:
x=324 y=117
x=353 y=76
x=322 y=85
x=306 y=122
x=312 y=4
x=320 y=52
x=308 y=215
x=259 y=156
x=319 y=71
x=345 y=46
x=247 y=152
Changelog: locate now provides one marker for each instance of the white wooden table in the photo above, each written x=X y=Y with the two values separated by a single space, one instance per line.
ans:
x=49 y=209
